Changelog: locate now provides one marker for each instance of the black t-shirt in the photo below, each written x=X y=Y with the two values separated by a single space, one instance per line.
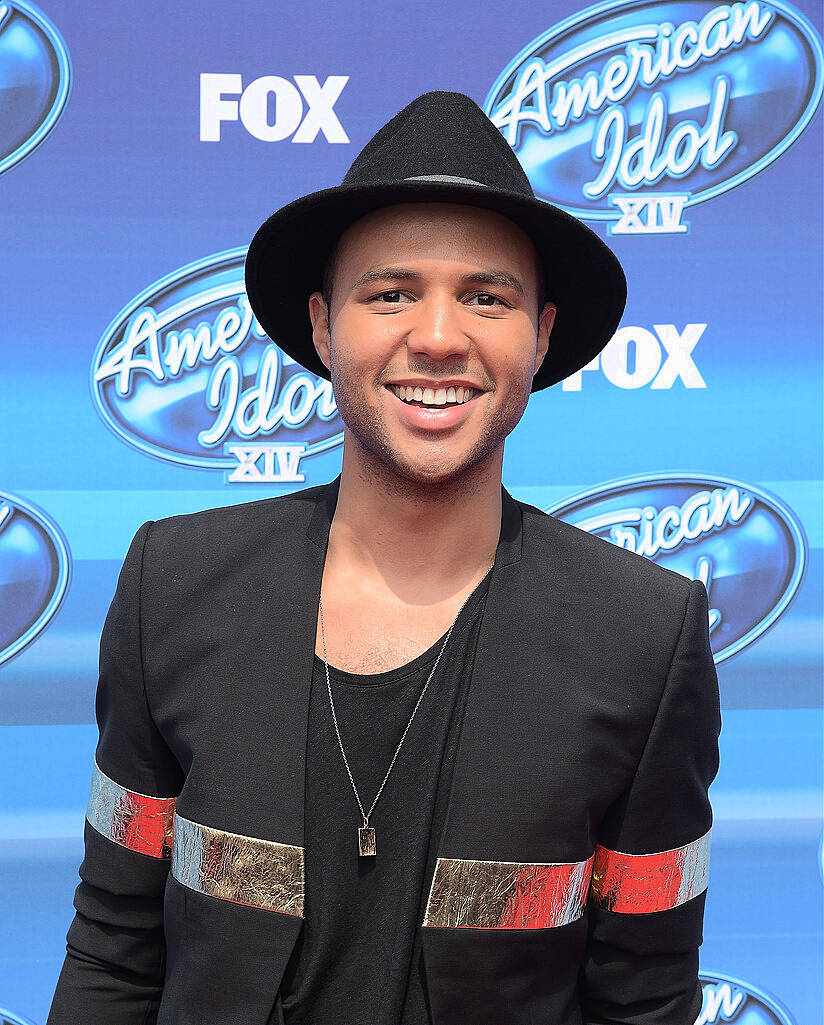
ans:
x=357 y=960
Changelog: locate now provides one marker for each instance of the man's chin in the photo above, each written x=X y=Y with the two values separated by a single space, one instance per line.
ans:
x=430 y=469
x=421 y=461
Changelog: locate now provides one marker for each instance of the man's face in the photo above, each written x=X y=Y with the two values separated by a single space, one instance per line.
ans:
x=432 y=295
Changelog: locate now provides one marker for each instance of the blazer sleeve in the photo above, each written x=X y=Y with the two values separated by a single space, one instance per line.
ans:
x=649 y=881
x=115 y=949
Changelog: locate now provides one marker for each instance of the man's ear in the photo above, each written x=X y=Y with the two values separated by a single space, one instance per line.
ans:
x=546 y=319
x=321 y=336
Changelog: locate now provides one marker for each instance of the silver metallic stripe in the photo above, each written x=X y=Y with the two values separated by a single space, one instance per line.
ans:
x=244 y=869
x=138 y=821
x=506 y=895
x=642 y=883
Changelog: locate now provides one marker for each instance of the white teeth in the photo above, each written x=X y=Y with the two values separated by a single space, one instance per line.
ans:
x=433 y=397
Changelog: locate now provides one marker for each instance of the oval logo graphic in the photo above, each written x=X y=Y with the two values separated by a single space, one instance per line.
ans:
x=727 y=999
x=35 y=79
x=186 y=374
x=747 y=547
x=632 y=112
x=35 y=568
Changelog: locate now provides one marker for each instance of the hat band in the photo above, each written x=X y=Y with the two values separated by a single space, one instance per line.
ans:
x=443 y=178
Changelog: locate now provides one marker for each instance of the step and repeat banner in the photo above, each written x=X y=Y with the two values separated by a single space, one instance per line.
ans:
x=140 y=148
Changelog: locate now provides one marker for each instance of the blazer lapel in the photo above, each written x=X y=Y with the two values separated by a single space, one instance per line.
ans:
x=503 y=903
x=298 y=595
x=477 y=797
x=273 y=677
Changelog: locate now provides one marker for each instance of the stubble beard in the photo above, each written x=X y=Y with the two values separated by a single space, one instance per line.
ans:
x=382 y=460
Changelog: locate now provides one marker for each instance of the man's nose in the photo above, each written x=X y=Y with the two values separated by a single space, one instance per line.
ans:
x=438 y=330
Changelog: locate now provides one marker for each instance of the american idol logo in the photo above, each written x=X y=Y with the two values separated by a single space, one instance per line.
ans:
x=186 y=374
x=35 y=569
x=746 y=546
x=633 y=112
x=727 y=999
x=35 y=79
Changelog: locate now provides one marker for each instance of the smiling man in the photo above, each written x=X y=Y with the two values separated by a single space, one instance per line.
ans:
x=439 y=328
x=399 y=749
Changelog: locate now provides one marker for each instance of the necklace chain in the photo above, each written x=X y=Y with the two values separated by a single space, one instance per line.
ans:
x=364 y=814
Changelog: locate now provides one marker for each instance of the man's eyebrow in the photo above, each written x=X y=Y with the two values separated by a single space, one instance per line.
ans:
x=495 y=277
x=387 y=274
x=484 y=277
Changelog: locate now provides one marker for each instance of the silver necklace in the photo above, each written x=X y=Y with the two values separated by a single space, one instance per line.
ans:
x=366 y=834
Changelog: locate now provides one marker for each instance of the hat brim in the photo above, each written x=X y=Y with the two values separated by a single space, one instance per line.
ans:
x=287 y=255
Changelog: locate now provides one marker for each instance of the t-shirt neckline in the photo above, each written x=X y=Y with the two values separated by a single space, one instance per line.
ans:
x=420 y=662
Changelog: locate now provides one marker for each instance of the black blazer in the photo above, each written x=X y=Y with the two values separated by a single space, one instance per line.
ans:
x=572 y=868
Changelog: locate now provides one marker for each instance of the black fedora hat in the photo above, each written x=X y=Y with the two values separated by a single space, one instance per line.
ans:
x=440 y=148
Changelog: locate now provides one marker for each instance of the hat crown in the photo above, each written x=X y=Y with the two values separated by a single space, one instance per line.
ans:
x=440 y=136
x=440 y=148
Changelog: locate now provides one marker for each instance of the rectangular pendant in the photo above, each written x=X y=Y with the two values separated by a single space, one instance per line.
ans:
x=366 y=841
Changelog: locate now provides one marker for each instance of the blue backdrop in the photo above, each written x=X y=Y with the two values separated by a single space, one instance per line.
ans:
x=140 y=148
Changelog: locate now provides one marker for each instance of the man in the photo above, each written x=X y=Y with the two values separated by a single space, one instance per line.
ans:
x=399 y=748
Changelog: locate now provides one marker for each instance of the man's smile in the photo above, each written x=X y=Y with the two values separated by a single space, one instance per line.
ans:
x=433 y=409
x=433 y=396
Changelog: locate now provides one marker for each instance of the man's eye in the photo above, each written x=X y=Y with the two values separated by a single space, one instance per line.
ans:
x=396 y=296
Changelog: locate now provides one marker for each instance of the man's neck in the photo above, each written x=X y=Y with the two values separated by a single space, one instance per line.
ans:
x=415 y=539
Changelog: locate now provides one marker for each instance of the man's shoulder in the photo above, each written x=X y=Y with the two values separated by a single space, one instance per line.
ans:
x=591 y=565
x=228 y=528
